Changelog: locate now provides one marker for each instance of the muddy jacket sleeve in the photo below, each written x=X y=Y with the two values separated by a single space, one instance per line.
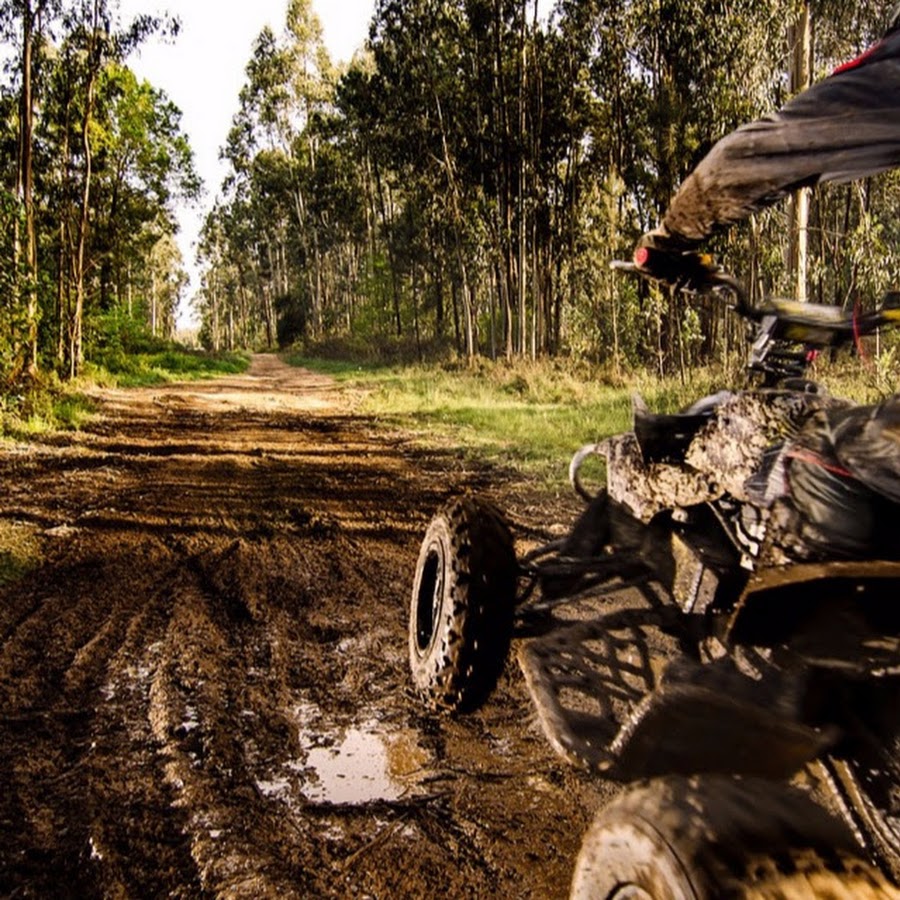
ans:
x=844 y=127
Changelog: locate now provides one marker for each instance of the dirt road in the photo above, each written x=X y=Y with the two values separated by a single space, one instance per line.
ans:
x=203 y=684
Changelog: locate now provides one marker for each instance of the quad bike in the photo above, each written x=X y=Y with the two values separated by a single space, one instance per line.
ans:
x=720 y=630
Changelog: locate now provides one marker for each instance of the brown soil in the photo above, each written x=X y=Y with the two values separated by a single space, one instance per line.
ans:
x=203 y=683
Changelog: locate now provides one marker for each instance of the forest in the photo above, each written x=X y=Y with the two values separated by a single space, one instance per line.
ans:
x=458 y=188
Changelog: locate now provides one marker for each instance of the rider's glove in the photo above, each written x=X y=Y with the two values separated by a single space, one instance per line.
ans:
x=665 y=257
x=663 y=241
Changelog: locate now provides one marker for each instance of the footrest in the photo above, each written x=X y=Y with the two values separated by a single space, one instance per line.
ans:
x=617 y=696
x=586 y=680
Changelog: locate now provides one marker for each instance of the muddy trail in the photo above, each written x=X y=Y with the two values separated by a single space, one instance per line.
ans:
x=203 y=683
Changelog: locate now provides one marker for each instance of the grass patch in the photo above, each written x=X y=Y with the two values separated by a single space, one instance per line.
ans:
x=20 y=551
x=531 y=416
x=534 y=416
x=148 y=369
x=343 y=370
x=45 y=407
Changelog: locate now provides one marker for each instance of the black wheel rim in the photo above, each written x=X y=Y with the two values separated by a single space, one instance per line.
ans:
x=428 y=599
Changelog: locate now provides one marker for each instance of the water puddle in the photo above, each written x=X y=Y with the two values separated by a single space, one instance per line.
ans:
x=363 y=766
x=356 y=764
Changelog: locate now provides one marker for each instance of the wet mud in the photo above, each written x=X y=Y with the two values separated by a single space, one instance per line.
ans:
x=203 y=680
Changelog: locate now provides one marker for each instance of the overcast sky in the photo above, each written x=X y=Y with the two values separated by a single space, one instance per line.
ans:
x=203 y=70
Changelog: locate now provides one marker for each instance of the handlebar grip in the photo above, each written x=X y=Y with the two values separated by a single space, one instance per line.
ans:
x=694 y=271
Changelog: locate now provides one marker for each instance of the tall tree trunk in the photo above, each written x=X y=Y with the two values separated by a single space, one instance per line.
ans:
x=801 y=45
x=387 y=222
x=415 y=305
x=25 y=192
x=267 y=314
x=454 y=296
x=437 y=285
x=61 y=296
x=465 y=285
x=154 y=304
x=76 y=326
x=214 y=303
x=539 y=248
x=521 y=224
x=503 y=144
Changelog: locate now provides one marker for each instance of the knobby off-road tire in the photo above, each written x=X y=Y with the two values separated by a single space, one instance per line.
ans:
x=713 y=837
x=463 y=598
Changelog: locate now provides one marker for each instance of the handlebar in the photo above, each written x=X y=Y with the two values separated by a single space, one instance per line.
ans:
x=779 y=323
x=695 y=273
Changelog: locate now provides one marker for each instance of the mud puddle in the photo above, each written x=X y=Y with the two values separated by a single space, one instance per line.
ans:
x=347 y=765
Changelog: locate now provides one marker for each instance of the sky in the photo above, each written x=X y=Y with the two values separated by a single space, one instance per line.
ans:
x=202 y=71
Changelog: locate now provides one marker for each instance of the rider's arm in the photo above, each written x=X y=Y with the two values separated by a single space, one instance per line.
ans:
x=846 y=126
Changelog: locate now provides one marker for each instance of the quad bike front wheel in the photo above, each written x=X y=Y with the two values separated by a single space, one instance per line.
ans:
x=463 y=598
x=703 y=838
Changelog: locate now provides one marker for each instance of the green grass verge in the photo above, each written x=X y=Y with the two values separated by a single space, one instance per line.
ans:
x=530 y=416
x=534 y=416
x=44 y=409
x=148 y=369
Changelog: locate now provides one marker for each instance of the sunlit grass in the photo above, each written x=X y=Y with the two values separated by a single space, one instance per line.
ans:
x=534 y=416
x=530 y=416
x=20 y=551
x=148 y=369
x=45 y=410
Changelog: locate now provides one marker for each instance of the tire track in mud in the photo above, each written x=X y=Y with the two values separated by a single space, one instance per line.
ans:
x=55 y=668
x=203 y=687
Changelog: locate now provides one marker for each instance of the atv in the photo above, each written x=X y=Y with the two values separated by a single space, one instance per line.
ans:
x=719 y=631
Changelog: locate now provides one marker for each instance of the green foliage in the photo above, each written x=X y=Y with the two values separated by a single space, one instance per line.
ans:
x=175 y=364
x=98 y=160
x=459 y=189
x=129 y=353
x=869 y=379
x=472 y=175
x=42 y=404
x=121 y=331
x=534 y=416
x=20 y=551
x=13 y=313
x=379 y=348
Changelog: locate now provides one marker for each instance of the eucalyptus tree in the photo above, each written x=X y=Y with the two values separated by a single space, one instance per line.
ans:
x=417 y=80
x=289 y=82
x=25 y=24
x=658 y=82
x=120 y=160
x=99 y=161
x=454 y=114
x=483 y=161
x=360 y=128
x=227 y=321
x=854 y=241
x=169 y=282
x=144 y=165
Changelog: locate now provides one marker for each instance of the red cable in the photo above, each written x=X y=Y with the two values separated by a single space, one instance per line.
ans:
x=809 y=456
